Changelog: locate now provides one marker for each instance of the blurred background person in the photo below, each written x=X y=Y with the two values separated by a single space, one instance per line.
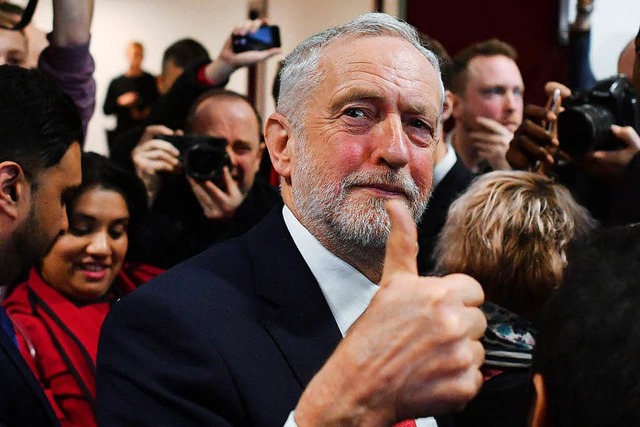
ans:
x=130 y=95
x=59 y=310
x=510 y=231
x=189 y=215
x=487 y=104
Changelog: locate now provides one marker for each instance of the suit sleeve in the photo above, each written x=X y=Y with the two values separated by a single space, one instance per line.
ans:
x=157 y=367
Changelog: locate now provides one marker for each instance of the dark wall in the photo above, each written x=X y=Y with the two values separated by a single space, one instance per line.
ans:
x=529 y=26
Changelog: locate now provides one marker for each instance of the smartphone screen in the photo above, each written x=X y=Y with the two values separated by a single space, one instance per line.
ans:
x=265 y=37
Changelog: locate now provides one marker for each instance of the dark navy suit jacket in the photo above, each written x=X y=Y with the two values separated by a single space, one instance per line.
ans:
x=230 y=337
x=22 y=401
x=452 y=185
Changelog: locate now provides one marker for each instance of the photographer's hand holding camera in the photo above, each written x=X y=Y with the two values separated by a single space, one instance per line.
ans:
x=585 y=137
x=218 y=202
x=152 y=156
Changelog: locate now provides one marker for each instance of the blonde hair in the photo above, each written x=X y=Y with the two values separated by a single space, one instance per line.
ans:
x=510 y=231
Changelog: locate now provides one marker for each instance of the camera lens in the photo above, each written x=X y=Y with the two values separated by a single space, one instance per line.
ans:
x=205 y=163
x=583 y=128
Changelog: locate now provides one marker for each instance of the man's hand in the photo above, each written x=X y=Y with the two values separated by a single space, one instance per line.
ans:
x=491 y=140
x=610 y=165
x=152 y=156
x=216 y=203
x=413 y=353
x=532 y=144
x=128 y=99
x=228 y=61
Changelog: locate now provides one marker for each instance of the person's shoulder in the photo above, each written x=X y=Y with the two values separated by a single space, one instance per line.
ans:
x=215 y=269
x=118 y=79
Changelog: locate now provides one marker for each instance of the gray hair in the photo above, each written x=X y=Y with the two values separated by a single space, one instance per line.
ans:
x=300 y=75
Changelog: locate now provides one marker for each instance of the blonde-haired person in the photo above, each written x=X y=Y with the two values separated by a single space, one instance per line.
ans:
x=510 y=231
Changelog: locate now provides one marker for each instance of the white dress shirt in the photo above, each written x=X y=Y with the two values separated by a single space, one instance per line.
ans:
x=442 y=168
x=347 y=291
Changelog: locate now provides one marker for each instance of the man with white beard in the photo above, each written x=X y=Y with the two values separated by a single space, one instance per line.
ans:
x=317 y=316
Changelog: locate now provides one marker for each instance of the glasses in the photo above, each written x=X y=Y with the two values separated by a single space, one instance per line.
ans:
x=16 y=14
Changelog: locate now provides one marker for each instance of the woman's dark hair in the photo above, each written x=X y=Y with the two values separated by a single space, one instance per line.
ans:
x=100 y=172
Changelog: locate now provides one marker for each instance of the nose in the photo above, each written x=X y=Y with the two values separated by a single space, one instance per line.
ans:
x=392 y=144
x=99 y=245
x=510 y=101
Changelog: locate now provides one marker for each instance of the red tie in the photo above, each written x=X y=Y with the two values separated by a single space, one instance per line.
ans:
x=406 y=423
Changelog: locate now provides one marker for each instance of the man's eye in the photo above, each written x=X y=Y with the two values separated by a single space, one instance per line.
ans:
x=494 y=91
x=417 y=123
x=355 y=113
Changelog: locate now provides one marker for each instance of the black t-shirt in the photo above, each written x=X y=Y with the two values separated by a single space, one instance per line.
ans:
x=144 y=85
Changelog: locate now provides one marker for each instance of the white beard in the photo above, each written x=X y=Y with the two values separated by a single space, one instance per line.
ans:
x=330 y=208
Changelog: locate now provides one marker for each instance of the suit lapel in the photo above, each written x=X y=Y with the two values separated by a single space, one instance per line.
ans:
x=302 y=324
x=14 y=361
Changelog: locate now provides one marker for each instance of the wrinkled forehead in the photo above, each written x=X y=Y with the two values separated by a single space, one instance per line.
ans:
x=224 y=111
x=386 y=59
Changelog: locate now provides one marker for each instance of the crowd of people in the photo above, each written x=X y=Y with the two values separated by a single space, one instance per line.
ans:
x=431 y=254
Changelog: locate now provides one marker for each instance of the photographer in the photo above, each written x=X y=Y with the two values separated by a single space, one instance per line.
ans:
x=605 y=180
x=188 y=72
x=191 y=214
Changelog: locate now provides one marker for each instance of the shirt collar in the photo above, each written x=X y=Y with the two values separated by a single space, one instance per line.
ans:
x=347 y=291
x=443 y=167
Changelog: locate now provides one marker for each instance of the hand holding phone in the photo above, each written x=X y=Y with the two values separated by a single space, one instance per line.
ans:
x=554 y=105
x=265 y=37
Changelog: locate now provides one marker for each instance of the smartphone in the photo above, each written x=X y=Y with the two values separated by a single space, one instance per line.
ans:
x=263 y=38
x=554 y=105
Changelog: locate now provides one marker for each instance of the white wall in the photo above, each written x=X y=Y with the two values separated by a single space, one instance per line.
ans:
x=614 y=23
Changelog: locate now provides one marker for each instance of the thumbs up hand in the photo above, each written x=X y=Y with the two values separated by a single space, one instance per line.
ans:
x=413 y=353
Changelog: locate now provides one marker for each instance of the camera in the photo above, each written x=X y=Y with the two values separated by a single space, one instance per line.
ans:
x=203 y=157
x=585 y=124
x=263 y=38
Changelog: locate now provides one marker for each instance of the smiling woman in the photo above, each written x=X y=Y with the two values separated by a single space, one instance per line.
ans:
x=59 y=311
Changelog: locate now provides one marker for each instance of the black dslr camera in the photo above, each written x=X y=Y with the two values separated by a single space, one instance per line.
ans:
x=585 y=124
x=203 y=157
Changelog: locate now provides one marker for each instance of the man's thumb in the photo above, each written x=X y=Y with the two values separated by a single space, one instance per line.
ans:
x=402 y=246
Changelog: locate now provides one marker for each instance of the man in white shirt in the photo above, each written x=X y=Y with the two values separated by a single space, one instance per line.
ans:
x=487 y=105
x=317 y=316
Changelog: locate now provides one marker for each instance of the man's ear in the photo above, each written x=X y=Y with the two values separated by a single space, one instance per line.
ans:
x=457 y=106
x=13 y=188
x=539 y=415
x=447 y=109
x=279 y=138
